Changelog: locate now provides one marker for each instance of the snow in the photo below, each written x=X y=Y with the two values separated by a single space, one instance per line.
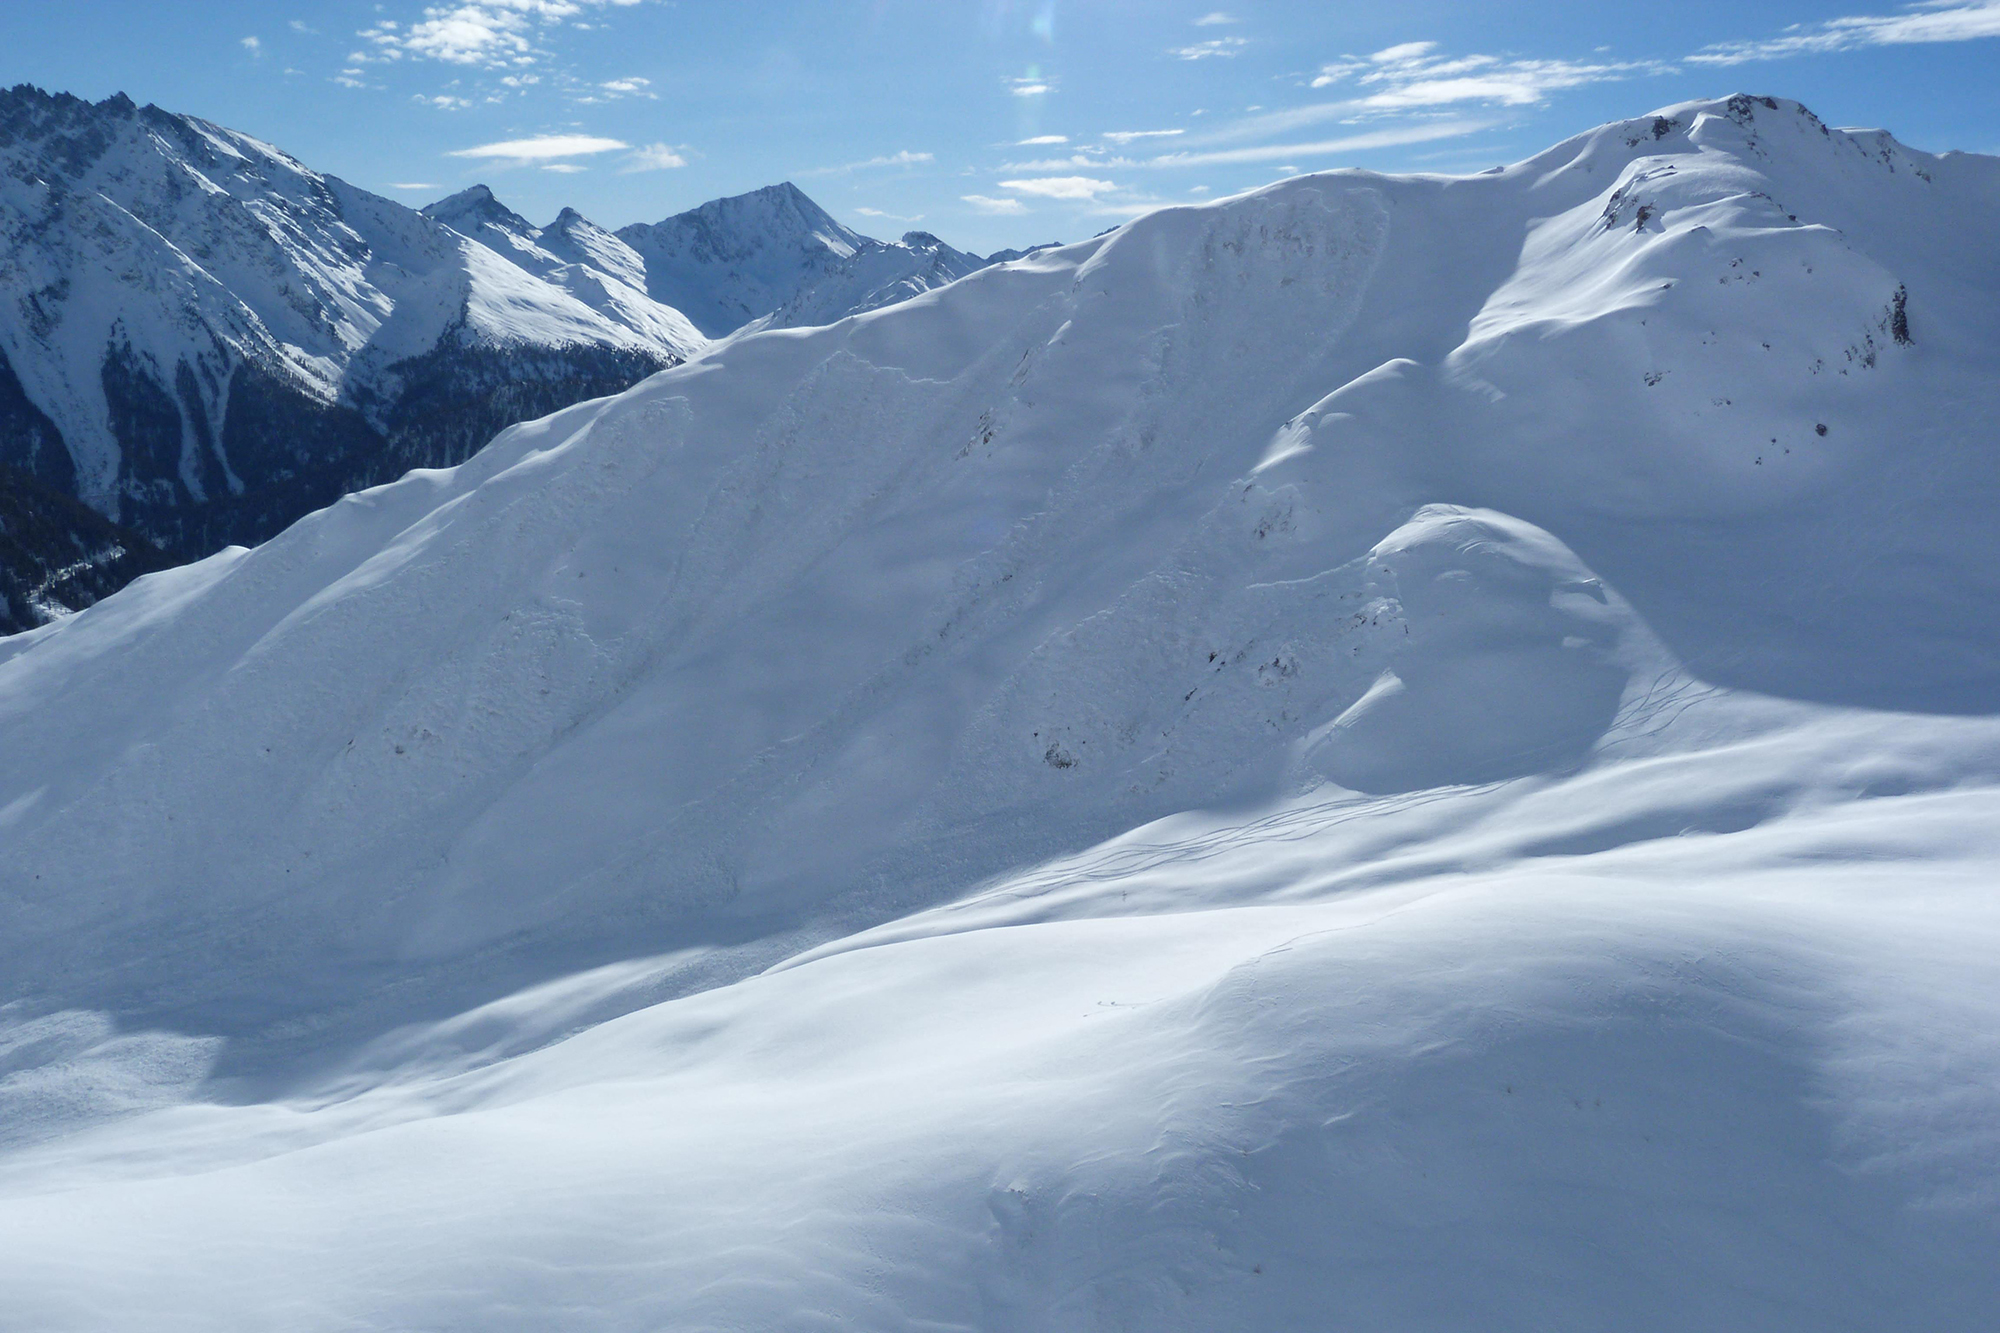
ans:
x=775 y=259
x=197 y=246
x=587 y=265
x=1312 y=761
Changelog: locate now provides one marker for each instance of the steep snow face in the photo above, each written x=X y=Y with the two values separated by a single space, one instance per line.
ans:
x=775 y=256
x=879 y=273
x=582 y=260
x=160 y=270
x=1352 y=748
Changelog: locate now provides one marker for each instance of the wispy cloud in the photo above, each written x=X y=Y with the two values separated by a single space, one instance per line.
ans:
x=1092 y=161
x=652 y=157
x=1211 y=49
x=1059 y=187
x=541 y=149
x=632 y=87
x=1000 y=207
x=1215 y=19
x=1280 y=152
x=415 y=185
x=1413 y=74
x=254 y=46
x=1031 y=84
x=904 y=158
x=1041 y=139
x=299 y=25
x=1936 y=21
x=1127 y=136
x=892 y=217
x=489 y=33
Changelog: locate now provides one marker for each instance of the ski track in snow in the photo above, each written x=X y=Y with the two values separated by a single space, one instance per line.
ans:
x=1405 y=753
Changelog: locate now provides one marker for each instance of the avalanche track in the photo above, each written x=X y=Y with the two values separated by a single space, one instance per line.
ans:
x=1390 y=753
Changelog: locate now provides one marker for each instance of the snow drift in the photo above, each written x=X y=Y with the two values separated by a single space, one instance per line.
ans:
x=1390 y=752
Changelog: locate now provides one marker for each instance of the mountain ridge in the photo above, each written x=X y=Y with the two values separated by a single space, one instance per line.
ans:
x=1349 y=748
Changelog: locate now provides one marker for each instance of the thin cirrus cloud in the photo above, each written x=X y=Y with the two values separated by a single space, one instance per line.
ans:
x=1413 y=74
x=1042 y=139
x=1938 y=21
x=904 y=158
x=1216 y=19
x=1214 y=48
x=1285 y=152
x=1127 y=136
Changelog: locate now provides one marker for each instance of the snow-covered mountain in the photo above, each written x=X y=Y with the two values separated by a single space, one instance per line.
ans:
x=575 y=255
x=221 y=339
x=1392 y=752
x=775 y=259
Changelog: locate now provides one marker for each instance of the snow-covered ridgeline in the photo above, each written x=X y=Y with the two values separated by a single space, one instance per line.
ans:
x=1414 y=747
x=213 y=329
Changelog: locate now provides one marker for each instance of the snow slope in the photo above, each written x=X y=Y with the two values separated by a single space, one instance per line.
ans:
x=1392 y=752
x=775 y=259
x=575 y=255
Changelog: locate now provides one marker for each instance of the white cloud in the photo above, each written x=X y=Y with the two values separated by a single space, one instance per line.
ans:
x=494 y=34
x=446 y=102
x=1059 y=187
x=893 y=217
x=1937 y=21
x=1030 y=85
x=1093 y=161
x=542 y=148
x=1215 y=46
x=904 y=158
x=1214 y=19
x=652 y=157
x=567 y=168
x=1042 y=139
x=1409 y=134
x=1127 y=136
x=254 y=46
x=633 y=87
x=415 y=185
x=1412 y=74
x=986 y=204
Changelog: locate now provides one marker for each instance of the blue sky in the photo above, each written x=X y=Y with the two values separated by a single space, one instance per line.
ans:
x=989 y=122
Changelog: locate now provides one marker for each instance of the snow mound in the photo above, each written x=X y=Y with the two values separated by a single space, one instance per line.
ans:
x=1426 y=748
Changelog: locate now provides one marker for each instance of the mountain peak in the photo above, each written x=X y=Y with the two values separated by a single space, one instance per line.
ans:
x=474 y=206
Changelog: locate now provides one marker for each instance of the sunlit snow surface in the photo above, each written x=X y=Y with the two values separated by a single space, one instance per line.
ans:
x=1355 y=758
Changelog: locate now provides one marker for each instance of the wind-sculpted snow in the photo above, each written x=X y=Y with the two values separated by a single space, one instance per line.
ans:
x=1405 y=753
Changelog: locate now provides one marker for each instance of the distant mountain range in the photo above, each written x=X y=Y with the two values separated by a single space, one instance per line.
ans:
x=202 y=339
